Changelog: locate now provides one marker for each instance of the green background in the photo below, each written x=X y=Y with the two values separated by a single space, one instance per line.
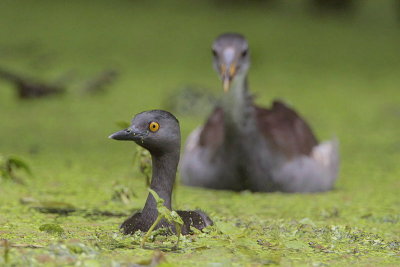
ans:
x=340 y=71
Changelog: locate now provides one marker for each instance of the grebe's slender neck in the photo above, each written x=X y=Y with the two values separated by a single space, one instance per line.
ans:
x=162 y=181
x=236 y=103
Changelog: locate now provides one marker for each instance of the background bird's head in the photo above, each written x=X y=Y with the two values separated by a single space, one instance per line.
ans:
x=156 y=130
x=231 y=58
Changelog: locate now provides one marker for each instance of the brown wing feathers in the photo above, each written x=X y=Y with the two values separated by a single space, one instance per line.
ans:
x=285 y=130
x=212 y=134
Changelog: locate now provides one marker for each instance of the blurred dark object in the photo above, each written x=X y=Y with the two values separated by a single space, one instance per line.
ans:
x=333 y=5
x=397 y=6
x=29 y=87
x=99 y=82
x=54 y=207
x=232 y=3
x=190 y=100
x=63 y=208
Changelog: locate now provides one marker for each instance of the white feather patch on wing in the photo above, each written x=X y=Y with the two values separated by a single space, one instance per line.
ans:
x=193 y=139
x=326 y=153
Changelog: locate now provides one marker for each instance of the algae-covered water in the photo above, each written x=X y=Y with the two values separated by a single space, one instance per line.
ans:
x=342 y=72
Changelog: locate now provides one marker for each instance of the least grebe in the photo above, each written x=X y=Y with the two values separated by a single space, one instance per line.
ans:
x=246 y=147
x=158 y=131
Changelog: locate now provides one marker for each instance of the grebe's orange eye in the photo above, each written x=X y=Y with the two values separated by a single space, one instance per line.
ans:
x=154 y=126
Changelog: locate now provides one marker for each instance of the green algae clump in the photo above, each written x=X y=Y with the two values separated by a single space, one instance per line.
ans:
x=52 y=228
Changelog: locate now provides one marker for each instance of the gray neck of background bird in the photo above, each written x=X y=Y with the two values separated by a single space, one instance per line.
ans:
x=162 y=181
x=236 y=103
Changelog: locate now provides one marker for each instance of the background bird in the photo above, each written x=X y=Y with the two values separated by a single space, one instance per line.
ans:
x=243 y=146
x=30 y=88
x=158 y=131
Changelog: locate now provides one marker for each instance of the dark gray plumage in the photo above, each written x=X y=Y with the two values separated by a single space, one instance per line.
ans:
x=243 y=146
x=158 y=131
